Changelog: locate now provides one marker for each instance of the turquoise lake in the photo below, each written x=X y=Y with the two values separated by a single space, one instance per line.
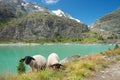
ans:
x=10 y=55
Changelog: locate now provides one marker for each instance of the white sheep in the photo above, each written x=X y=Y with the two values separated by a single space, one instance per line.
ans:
x=53 y=61
x=37 y=62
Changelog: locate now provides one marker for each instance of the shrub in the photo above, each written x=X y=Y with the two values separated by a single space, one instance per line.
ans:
x=21 y=68
x=110 y=37
x=116 y=46
x=100 y=38
x=117 y=51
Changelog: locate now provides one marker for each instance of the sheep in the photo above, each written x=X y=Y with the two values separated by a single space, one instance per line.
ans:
x=53 y=61
x=36 y=62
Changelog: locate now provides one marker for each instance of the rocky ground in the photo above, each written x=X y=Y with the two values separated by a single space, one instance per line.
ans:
x=110 y=73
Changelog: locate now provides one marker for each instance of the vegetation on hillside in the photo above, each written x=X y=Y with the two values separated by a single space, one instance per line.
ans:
x=89 y=37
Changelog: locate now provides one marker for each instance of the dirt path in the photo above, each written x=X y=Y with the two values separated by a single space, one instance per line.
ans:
x=111 y=73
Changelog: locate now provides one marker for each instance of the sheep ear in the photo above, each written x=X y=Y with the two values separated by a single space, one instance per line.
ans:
x=32 y=58
x=61 y=65
x=57 y=66
x=21 y=60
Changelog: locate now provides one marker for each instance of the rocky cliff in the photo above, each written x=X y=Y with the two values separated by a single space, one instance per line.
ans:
x=20 y=20
x=39 y=25
x=108 y=25
x=17 y=8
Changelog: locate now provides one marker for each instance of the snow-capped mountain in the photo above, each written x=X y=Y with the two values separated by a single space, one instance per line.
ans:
x=60 y=13
x=21 y=7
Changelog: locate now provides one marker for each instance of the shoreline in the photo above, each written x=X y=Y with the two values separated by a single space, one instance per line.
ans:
x=34 y=44
x=20 y=43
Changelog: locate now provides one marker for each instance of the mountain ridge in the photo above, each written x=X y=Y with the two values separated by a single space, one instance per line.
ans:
x=34 y=22
x=30 y=21
x=60 y=13
x=19 y=7
x=108 y=25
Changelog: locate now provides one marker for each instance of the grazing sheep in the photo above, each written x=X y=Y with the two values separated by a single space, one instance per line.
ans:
x=53 y=61
x=36 y=62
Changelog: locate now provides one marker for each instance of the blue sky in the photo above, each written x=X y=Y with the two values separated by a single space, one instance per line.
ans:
x=87 y=11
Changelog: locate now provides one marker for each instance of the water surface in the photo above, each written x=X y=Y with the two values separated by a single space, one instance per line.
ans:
x=10 y=55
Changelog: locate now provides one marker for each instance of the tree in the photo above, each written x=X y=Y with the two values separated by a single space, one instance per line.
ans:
x=116 y=46
x=21 y=67
x=100 y=38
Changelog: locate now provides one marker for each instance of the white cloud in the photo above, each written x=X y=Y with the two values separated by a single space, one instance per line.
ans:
x=50 y=1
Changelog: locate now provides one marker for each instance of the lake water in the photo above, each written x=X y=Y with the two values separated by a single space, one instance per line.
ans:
x=10 y=55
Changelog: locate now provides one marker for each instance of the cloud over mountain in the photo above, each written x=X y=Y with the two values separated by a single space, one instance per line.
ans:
x=50 y=1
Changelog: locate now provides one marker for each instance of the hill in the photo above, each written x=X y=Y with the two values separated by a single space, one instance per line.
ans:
x=108 y=25
x=20 y=20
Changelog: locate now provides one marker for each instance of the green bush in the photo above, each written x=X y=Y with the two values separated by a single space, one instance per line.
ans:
x=100 y=38
x=116 y=46
x=21 y=68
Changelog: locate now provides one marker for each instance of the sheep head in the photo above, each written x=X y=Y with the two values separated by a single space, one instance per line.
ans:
x=27 y=59
x=57 y=66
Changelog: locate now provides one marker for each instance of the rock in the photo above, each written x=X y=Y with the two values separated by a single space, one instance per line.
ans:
x=37 y=26
x=65 y=60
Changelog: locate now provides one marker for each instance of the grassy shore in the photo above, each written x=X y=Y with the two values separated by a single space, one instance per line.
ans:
x=78 y=69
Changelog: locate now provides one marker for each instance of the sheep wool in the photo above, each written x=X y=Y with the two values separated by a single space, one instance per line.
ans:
x=39 y=63
x=53 y=59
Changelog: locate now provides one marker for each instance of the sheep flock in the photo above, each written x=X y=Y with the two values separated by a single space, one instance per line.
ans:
x=39 y=62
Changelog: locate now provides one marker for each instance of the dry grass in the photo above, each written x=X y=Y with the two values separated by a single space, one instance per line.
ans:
x=86 y=66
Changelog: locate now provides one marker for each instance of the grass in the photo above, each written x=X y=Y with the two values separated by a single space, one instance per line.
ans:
x=47 y=74
x=91 y=37
x=56 y=40
x=78 y=69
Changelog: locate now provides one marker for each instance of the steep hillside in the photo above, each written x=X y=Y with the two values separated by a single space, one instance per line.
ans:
x=40 y=25
x=20 y=20
x=108 y=25
x=17 y=8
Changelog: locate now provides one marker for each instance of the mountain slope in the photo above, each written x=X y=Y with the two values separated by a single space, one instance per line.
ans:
x=29 y=21
x=39 y=25
x=108 y=25
x=17 y=8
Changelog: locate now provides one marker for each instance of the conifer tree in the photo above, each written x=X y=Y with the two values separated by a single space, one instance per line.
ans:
x=21 y=68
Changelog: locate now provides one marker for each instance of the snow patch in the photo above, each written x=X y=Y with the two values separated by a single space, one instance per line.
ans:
x=39 y=8
x=60 y=13
x=24 y=4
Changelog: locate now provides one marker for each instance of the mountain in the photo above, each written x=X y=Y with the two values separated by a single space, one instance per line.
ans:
x=38 y=25
x=25 y=6
x=108 y=25
x=17 y=8
x=60 y=13
x=29 y=21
